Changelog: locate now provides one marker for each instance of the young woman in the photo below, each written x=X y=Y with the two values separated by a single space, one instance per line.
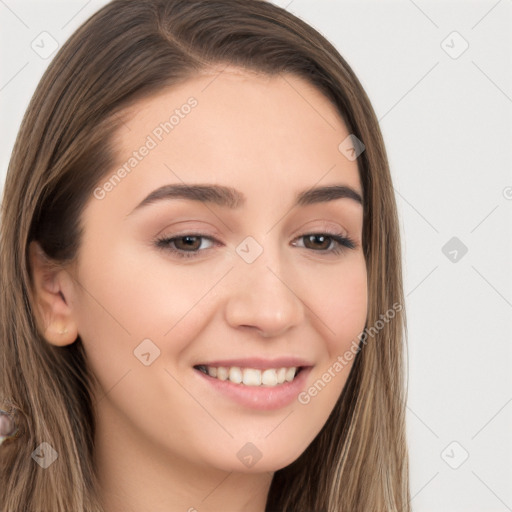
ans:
x=201 y=288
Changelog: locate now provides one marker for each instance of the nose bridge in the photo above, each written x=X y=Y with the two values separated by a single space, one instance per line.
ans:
x=263 y=295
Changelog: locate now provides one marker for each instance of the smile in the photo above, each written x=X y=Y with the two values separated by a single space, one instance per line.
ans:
x=251 y=376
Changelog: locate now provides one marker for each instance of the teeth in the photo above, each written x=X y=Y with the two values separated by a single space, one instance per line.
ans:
x=290 y=374
x=269 y=378
x=222 y=373
x=235 y=375
x=251 y=376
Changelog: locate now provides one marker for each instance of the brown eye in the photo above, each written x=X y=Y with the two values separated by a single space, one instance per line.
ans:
x=327 y=243
x=322 y=242
x=188 y=242
x=185 y=246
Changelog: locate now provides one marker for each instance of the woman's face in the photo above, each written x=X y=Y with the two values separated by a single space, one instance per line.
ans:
x=246 y=284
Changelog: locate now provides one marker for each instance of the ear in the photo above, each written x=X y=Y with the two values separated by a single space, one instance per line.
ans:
x=52 y=287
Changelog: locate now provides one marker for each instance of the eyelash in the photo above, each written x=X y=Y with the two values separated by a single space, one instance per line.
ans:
x=343 y=243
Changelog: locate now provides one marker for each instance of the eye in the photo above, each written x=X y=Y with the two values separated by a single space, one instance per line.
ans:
x=334 y=243
x=184 y=246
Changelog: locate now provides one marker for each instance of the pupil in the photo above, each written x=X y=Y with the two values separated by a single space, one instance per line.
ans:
x=189 y=241
x=319 y=239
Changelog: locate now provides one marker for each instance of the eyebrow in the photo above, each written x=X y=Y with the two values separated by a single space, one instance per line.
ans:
x=229 y=197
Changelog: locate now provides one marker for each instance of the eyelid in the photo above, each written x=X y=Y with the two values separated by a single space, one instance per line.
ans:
x=184 y=229
x=321 y=226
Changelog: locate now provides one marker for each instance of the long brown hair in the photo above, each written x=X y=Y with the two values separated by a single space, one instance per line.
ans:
x=128 y=50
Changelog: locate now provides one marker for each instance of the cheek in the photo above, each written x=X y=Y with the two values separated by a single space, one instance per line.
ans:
x=339 y=301
x=125 y=299
x=126 y=304
x=135 y=296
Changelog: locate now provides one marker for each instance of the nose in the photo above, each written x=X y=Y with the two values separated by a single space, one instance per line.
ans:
x=263 y=299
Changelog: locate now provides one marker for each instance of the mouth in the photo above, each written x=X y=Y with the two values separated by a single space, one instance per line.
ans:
x=271 y=386
x=252 y=377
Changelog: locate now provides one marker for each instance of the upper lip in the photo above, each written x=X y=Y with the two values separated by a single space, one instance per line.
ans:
x=259 y=363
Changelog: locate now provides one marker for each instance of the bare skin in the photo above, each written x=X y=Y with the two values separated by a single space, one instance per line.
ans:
x=166 y=439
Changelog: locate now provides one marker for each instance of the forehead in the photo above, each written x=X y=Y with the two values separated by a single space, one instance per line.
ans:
x=238 y=128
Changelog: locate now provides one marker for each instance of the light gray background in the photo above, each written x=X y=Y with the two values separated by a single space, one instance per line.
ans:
x=447 y=124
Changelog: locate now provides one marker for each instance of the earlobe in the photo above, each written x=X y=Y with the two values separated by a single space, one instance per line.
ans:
x=53 y=312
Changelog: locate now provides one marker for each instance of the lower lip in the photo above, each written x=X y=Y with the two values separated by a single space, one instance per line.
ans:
x=263 y=398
